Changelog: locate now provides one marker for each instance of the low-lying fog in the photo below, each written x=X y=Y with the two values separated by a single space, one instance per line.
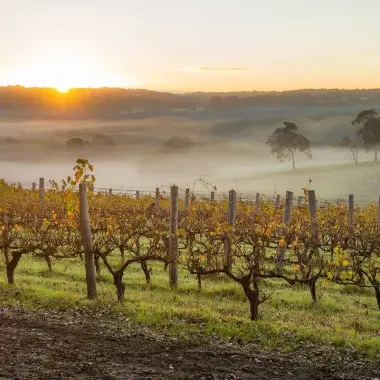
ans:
x=143 y=157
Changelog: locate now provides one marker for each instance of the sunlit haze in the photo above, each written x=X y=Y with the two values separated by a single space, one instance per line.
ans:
x=213 y=45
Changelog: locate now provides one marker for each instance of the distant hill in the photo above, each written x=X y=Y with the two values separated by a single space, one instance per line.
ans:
x=116 y=103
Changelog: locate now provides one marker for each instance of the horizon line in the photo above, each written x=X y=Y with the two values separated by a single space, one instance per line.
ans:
x=184 y=92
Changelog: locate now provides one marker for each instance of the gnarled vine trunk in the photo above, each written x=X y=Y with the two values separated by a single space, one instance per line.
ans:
x=11 y=267
x=120 y=286
x=377 y=293
x=199 y=278
x=313 y=290
x=253 y=298
x=97 y=264
x=49 y=263
x=144 y=267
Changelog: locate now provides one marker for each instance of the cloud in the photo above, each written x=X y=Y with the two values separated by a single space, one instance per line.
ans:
x=208 y=69
x=223 y=68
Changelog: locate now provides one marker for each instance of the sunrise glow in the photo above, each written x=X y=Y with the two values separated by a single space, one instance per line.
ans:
x=64 y=74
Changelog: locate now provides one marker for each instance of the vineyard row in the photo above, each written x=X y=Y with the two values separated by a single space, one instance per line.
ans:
x=247 y=242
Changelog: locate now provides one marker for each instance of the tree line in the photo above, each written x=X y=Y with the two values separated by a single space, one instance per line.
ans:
x=108 y=102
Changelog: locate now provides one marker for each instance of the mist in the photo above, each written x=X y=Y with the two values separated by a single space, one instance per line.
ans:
x=158 y=152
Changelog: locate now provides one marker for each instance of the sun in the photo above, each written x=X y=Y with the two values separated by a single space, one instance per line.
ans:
x=62 y=89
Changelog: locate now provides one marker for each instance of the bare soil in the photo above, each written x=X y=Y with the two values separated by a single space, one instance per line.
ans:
x=80 y=345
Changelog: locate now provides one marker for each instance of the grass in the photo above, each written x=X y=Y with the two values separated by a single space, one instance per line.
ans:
x=343 y=317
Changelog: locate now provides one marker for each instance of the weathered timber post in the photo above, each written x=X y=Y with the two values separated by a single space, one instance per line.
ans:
x=137 y=194
x=110 y=192
x=257 y=203
x=313 y=214
x=41 y=189
x=187 y=200
x=300 y=201
x=286 y=220
x=212 y=196
x=351 y=209
x=231 y=218
x=278 y=200
x=157 y=201
x=34 y=186
x=10 y=269
x=87 y=242
x=173 y=239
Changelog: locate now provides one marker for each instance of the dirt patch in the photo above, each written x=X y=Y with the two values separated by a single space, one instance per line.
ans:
x=74 y=345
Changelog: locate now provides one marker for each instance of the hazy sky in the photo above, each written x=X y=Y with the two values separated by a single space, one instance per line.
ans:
x=182 y=45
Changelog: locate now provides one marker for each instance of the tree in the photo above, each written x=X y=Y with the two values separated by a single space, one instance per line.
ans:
x=369 y=129
x=285 y=142
x=353 y=146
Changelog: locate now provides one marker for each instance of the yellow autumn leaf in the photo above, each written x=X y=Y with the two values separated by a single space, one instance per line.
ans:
x=336 y=250
x=3 y=228
x=201 y=258
x=296 y=267
x=346 y=263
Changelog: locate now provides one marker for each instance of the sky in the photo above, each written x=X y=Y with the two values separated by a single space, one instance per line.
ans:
x=191 y=45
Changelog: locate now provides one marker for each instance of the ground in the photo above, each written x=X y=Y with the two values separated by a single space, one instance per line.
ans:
x=48 y=329
x=46 y=345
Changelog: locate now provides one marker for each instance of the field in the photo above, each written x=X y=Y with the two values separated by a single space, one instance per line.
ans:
x=344 y=316
x=245 y=280
x=185 y=334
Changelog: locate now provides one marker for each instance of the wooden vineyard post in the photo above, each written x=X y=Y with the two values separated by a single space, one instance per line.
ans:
x=286 y=221
x=87 y=242
x=278 y=200
x=187 y=200
x=173 y=239
x=110 y=192
x=300 y=201
x=212 y=196
x=41 y=190
x=313 y=214
x=257 y=203
x=351 y=209
x=34 y=186
x=10 y=274
x=157 y=202
x=231 y=218
x=137 y=194
x=232 y=208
